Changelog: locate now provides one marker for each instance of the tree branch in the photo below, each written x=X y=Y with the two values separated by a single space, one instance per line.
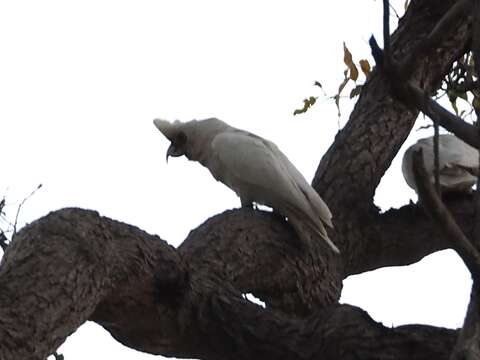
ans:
x=409 y=93
x=404 y=236
x=435 y=207
x=74 y=265
x=448 y=21
x=379 y=124
x=436 y=112
x=61 y=269
x=467 y=346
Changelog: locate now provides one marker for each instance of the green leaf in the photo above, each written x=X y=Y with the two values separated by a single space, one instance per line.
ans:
x=476 y=103
x=307 y=104
x=356 y=91
x=462 y=95
x=453 y=102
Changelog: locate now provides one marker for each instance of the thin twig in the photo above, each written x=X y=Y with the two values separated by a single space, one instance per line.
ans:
x=436 y=155
x=424 y=127
x=19 y=208
x=395 y=11
x=413 y=95
x=386 y=34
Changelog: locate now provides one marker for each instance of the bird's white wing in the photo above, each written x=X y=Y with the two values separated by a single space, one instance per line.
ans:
x=456 y=152
x=309 y=192
x=241 y=160
x=458 y=162
x=256 y=168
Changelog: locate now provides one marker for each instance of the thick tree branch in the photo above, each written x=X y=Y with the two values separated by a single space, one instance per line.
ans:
x=63 y=268
x=468 y=345
x=74 y=265
x=244 y=243
x=459 y=10
x=404 y=236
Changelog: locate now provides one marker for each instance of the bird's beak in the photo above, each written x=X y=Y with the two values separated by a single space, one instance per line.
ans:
x=170 y=152
x=173 y=151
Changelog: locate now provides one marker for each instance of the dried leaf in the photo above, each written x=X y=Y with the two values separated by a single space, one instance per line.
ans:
x=453 y=102
x=348 y=60
x=365 y=66
x=316 y=83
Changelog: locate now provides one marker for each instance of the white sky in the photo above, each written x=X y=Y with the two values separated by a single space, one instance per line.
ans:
x=80 y=83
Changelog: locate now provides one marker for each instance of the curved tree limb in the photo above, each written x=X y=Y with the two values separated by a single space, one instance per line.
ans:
x=435 y=207
x=151 y=298
x=404 y=236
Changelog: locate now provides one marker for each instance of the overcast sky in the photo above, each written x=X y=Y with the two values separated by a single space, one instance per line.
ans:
x=80 y=83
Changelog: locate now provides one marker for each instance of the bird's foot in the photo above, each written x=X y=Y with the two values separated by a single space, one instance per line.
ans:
x=247 y=204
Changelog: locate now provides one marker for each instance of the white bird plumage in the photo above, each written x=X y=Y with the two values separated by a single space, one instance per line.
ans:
x=458 y=168
x=254 y=168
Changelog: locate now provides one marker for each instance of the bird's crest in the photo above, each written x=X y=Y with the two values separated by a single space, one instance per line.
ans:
x=168 y=129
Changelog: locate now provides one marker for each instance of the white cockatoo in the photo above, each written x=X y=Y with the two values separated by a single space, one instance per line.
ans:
x=254 y=168
x=458 y=161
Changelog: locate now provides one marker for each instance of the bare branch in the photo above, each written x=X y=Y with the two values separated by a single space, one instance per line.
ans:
x=435 y=207
x=446 y=119
x=436 y=154
x=413 y=96
x=467 y=346
x=399 y=74
x=386 y=33
x=20 y=207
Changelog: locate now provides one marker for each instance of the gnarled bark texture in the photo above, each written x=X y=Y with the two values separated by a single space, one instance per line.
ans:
x=74 y=265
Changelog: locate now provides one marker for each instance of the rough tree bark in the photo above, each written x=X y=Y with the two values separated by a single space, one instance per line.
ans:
x=74 y=265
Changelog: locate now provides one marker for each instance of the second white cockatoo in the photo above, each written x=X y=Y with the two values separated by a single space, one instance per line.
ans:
x=254 y=168
x=458 y=161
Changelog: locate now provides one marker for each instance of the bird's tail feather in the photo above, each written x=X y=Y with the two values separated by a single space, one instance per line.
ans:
x=306 y=227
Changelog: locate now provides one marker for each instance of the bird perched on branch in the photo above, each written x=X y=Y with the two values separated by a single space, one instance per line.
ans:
x=458 y=170
x=254 y=168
